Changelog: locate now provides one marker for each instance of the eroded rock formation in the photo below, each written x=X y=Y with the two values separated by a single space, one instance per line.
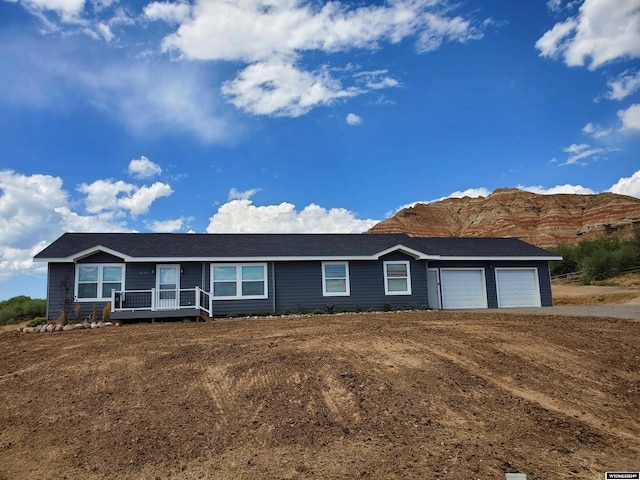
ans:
x=543 y=220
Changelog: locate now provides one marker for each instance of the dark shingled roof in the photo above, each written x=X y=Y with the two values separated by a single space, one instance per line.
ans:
x=185 y=245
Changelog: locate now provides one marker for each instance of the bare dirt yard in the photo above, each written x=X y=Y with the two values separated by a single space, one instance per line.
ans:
x=624 y=289
x=411 y=395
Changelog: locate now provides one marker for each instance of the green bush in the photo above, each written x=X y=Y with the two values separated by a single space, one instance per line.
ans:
x=19 y=308
x=598 y=259
x=37 y=321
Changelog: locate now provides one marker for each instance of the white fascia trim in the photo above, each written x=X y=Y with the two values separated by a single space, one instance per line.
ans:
x=417 y=255
x=87 y=253
x=494 y=258
x=401 y=248
x=336 y=258
x=128 y=259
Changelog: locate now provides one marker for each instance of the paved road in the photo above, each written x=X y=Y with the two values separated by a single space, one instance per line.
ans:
x=628 y=311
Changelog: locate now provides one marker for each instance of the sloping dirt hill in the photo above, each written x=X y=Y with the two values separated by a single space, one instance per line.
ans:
x=428 y=395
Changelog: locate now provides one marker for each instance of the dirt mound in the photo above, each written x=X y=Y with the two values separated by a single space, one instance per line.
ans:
x=402 y=395
x=543 y=220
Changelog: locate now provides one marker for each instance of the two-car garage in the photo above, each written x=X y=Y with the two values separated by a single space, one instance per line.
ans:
x=466 y=288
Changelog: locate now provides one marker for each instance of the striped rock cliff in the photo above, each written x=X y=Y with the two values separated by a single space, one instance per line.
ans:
x=543 y=220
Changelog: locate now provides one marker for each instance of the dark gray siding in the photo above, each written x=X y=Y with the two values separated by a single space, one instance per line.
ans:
x=61 y=286
x=140 y=276
x=299 y=287
x=242 y=307
x=544 y=276
x=292 y=286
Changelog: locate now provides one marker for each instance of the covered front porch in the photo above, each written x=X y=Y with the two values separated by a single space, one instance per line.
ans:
x=161 y=303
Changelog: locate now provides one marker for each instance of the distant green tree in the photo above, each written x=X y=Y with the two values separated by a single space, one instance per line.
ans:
x=600 y=258
x=21 y=308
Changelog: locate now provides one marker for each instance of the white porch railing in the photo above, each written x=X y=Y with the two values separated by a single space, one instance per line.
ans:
x=157 y=300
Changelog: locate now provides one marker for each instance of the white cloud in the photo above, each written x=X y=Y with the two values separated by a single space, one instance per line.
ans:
x=144 y=168
x=34 y=210
x=168 y=226
x=623 y=86
x=235 y=194
x=601 y=32
x=375 y=80
x=68 y=10
x=254 y=30
x=240 y=215
x=567 y=188
x=628 y=186
x=105 y=31
x=279 y=88
x=149 y=97
x=555 y=40
x=440 y=29
x=120 y=197
x=27 y=205
x=353 y=119
x=271 y=38
x=469 y=192
x=582 y=151
x=596 y=131
x=554 y=5
x=630 y=117
x=168 y=12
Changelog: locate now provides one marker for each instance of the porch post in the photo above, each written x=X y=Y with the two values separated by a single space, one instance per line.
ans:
x=153 y=299
x=198 y=297
x=113 y=300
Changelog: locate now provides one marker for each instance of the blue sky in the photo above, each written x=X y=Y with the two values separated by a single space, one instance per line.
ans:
x=297 y=116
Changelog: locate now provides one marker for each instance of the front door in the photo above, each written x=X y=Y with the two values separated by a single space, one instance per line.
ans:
x=433 y=288
x=168 y=287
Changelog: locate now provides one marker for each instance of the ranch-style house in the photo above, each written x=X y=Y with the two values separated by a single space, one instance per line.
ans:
x=158 y=275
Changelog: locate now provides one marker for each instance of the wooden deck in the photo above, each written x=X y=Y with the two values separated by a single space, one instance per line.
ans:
x=157 y=314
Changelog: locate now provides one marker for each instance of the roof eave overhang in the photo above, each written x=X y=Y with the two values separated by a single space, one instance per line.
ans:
x=493 y=258
x=415 y=254
x=87 y=253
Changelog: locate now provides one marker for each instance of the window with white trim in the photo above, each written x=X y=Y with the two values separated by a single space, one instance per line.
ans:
x=237 y=281
x=335 y=279
x=95 y=281
x=397 y=278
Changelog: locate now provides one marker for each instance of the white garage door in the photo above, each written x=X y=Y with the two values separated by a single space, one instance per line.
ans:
x=463 y=288
x=517 y=287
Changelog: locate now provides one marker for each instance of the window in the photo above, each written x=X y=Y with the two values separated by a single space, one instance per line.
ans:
x=335 y=279
x=95 y=282
x=239 y=281
x=397 y=278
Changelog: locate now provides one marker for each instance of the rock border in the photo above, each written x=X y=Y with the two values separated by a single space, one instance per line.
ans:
x=50 y=327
